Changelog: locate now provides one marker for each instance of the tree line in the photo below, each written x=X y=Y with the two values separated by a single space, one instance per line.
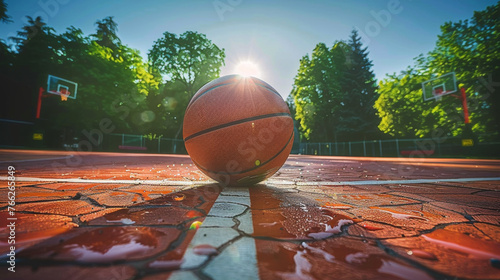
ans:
x=335 y=96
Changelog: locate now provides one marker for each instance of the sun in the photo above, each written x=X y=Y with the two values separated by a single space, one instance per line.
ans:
x=247 y=68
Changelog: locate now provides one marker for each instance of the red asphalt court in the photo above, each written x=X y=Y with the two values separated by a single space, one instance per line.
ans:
x=143 y=216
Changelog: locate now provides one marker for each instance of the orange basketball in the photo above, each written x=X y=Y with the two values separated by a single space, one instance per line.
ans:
x=238 y=130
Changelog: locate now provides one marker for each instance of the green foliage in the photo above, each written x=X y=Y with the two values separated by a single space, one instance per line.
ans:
x=5 y=54
x=190 y=59
x=291 y=105
x=357 y=116
x=3 y=12
x=315 y=91
x=23 y=73
x=399 y=103
x=185 y=63
x=113 y=80
x=106 y=78
x=470 y=49
x=334 y=91
x=106 y=33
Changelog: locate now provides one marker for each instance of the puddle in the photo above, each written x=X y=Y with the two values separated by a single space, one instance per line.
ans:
x=125 y=221
x=313 y=258
x=325 y=259
x=32 y=228
x=172 y=259
x=200 y=197
x=147 y=216
x=170 y=209
x=462 y=243
x=401 y=271
x=101 y=245
x=28 y=238
x=422 y=254
x=301 y=221
x=398 y=214
x=168 y=264
x=205 y=250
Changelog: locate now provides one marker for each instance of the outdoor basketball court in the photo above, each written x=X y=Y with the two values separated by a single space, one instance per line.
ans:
x=146 y=216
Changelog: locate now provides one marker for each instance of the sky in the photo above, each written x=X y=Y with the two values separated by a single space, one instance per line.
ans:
x=273 y=35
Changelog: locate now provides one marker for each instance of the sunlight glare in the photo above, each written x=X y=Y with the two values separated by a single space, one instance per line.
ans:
x=248 y=68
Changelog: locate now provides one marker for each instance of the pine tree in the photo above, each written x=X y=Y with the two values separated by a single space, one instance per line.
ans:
x=106 y=33
x=3 y=13
x=358 y=119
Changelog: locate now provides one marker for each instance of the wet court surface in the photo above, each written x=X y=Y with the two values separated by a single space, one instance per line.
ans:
x=139 y=216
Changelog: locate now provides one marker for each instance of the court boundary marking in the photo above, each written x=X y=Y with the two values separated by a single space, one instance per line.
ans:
x=37 y=159
x=240 y=248
x=268 y=182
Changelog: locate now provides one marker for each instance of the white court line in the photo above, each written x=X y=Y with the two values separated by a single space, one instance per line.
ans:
x=110 y=181
x=37 y=159
x=379 y=182
x=269 y=182
x=216 y=230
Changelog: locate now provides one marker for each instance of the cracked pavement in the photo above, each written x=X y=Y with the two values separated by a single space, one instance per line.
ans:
x=140 y=216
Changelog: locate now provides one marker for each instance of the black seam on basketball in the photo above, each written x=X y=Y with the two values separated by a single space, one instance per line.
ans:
x=250 y=169
x=206 y=91
x=196 y=134
x=270 y=89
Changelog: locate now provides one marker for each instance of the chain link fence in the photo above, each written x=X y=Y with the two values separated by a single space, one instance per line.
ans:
x=140 y=143
x=401 y=147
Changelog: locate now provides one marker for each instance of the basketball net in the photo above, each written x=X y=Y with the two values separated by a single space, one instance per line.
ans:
x=438 y=94
x=64 y=95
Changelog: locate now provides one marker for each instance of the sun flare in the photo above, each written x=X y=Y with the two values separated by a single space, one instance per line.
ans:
x=248 y=68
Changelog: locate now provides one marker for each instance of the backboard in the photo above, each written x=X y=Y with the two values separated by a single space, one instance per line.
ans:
x=63 y=87
x=440 y=86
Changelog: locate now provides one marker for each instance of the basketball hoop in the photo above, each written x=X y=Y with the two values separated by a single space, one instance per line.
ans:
x=436 y=88
x=438 y=93
x=56 y=86
x=64 y=94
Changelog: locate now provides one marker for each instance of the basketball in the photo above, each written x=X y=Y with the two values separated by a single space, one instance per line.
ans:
x=238 y=130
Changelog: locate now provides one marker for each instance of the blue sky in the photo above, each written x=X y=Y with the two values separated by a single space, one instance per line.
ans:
x=273 y=34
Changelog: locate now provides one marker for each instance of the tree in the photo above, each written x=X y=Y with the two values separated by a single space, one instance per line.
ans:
x=3 y=12
x=357 y=119
x=6 y=61
x=400 y=106
x=4 y=49
x=106 y=33
x=36 y=28
x=291 y=105
x=316 y=94
x=334 y=92
x=29 y=67
x=185 y=62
